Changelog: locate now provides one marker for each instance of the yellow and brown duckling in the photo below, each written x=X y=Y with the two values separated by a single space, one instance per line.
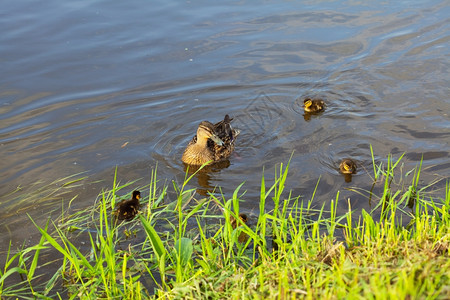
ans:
x=127 y=209
x=313 y=105
x=213 y=142
x=347 y=166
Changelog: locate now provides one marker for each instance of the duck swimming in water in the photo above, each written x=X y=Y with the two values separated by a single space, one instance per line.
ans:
x=347 y=166
x=313 y=105
x=213 y=142
x=127 y=209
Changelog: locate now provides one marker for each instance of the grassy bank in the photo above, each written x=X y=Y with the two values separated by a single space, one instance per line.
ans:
x=185 y=246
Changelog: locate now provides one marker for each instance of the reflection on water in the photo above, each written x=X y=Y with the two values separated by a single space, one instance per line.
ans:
x=89 y=86
x=203 y=175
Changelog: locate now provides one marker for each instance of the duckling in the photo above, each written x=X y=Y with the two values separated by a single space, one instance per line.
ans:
x=347 y=166
x=212 y=143
x=313 y=105
x=243 y=217
x=234 y=224
x=127 y=209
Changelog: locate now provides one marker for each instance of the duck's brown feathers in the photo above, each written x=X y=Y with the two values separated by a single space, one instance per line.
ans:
x=243 y=219
x=234 y=223
x=127 y=209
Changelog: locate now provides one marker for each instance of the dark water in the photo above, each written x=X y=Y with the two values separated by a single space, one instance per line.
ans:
x=83 y=78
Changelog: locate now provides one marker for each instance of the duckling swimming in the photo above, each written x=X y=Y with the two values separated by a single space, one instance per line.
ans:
x=313 y=105
x=347 y=166
x=212 y=143
x=127 y=209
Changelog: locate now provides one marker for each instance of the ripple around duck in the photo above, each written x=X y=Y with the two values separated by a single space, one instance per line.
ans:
x=341 y=102
x=266 y=127
x=168 y=139
x=331 y=149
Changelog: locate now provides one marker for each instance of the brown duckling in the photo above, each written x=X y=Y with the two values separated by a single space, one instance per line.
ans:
x=243 y=217
x=313 y=105
x=212 y=143
x=347 y=166
x=234 y=224
x=127 y=209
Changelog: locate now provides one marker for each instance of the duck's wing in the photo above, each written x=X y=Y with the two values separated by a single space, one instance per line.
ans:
x=222 y=152
x=224 y=130
x=228 y=135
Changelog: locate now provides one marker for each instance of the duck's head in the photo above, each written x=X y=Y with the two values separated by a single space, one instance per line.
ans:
x=307 y=103
x=136 y=195
x=206 y=131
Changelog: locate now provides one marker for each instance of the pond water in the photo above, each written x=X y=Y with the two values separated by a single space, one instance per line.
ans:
x=90 y=85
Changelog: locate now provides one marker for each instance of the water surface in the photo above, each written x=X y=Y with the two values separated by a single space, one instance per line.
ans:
x=90 y=85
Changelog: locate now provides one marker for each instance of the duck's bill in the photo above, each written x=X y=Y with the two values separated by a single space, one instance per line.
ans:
x=217 y=140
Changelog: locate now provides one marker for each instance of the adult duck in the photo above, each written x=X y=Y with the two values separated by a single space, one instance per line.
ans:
x=212 y=143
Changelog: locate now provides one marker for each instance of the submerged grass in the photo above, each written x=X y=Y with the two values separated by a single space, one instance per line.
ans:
x=202 y=248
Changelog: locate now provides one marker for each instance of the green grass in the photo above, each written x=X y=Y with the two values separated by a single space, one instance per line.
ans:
x=183 y=246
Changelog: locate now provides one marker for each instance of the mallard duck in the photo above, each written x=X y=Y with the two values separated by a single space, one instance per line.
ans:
x=211 y=143
x=313 y=105
x=347 y=166
x=127 y=209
